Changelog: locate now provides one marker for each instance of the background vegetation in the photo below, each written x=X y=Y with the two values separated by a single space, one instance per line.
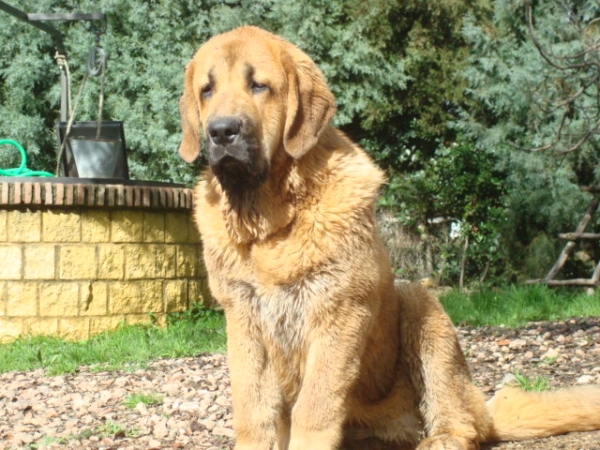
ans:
x=487 y=125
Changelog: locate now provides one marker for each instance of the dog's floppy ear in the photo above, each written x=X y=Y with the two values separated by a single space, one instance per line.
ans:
x=189 y=148
x=310 y=106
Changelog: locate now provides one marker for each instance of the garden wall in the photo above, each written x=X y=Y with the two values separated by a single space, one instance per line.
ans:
x=77 y=259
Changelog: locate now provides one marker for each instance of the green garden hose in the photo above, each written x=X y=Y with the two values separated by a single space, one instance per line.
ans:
x=22 y=170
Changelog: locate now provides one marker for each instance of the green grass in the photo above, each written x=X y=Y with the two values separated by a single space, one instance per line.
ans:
x=108 y=429
x=517 y=305
x=131 y=401
x=537 y=384
x=112 y=429
x=202 y=331
x=129 y=347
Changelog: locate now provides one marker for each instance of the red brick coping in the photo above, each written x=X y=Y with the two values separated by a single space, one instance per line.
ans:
x=75 y=192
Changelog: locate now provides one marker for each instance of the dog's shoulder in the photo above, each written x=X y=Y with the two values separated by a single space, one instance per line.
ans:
x=349 y=179
x=334 y=221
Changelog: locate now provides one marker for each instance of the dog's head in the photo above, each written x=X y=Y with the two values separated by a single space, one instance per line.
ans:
x=250 y=93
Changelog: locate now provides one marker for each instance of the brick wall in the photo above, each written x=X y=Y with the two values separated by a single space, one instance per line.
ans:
x=74 y=270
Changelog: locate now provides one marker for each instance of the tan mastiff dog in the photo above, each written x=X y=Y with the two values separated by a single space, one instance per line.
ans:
x=324 y=352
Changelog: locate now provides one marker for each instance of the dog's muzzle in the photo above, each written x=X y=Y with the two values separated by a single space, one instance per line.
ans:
x=234 y=154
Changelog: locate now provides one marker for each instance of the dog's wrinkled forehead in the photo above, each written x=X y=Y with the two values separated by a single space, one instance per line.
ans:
x=232 y=60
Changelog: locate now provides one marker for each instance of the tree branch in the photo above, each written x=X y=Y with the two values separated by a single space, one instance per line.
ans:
x=546 y=55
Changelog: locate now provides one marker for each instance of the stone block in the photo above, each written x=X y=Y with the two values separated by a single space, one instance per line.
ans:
x=124 y=298
x=11 y=257
x=74 y=328
x=194 y=234
x=188 y=260
x=177 y=227
x=127 y=226
x=176 y=295
x=95 y=226
x=148 y=261
x=111 y=261
x=59 y=299
x=10 y=329
x=78 y=262
x=62 y=226
x=3 y=225
x=39 y=262
x=138 y=319
x=134 y=319
x=93 y=299
x=105 y=323
x=152 y=297
x=198 y=292
x=24 y=226
x=22 y=299
x=3 y=289
x=40 y=326
x=154 y=227
x=169 y=255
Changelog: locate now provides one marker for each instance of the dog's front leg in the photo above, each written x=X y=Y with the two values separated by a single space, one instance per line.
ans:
x=256 y=398
x=332 y=366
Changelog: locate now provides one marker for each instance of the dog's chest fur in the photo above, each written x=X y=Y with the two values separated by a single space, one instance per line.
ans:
x=282 y=318
x=281 y=312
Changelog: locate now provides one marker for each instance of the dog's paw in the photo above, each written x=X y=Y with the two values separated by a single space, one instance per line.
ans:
x=447 y=442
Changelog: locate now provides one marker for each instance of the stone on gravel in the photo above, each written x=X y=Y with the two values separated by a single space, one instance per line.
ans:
x=189 y=406
x=517 y=344
x=585 y=379
x=550 y=354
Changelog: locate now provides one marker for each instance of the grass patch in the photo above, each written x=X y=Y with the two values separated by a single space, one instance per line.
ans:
x=517 y=305
x=131 y=401
x=108 y=429
x=46 y=441
x=187 y=334
x=537 y=384
x=113 y=430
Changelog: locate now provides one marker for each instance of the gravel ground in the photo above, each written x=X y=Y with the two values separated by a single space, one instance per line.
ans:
x=86 y=410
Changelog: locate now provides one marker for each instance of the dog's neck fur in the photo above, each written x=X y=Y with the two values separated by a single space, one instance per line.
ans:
x=254 y=215
x=294 y=185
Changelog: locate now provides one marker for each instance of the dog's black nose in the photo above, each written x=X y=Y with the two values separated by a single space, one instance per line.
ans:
x=224 y=130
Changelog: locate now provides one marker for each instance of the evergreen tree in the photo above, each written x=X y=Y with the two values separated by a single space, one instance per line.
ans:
x=534 y=97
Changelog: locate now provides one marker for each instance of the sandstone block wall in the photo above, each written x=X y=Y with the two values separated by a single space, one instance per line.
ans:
x=74 y=270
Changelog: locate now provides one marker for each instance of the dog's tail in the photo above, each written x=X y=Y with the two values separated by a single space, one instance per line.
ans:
x=519 y=415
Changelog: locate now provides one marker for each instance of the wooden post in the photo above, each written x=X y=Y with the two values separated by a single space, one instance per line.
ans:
x=583 y=223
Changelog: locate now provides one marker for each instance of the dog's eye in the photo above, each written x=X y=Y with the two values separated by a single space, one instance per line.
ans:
x=257 y=87
x=206 y=91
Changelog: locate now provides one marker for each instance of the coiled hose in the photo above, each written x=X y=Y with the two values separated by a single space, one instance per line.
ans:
x=22 y=170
